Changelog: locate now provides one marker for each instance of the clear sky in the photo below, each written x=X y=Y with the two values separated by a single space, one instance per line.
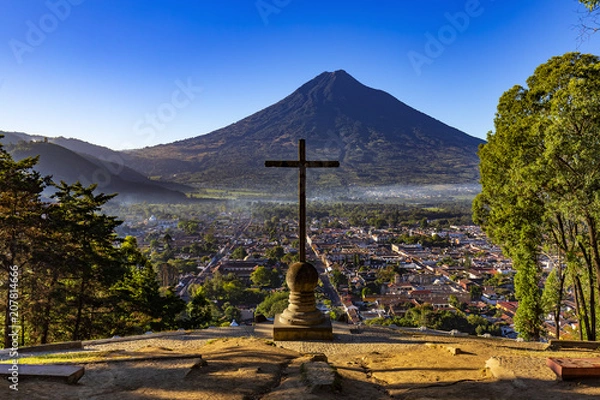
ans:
x=132 y=73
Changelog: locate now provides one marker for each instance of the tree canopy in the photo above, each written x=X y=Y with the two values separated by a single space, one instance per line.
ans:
x=273 y=304
x=590 y=4
x=265 y=277
x=540 y=180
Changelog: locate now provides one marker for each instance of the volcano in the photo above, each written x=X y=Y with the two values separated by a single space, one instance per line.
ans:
x=378 y=140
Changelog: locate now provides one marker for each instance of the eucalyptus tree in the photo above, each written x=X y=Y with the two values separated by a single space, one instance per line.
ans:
x=540 y=179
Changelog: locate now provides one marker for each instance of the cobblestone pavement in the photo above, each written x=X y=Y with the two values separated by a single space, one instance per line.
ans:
x=347 y=339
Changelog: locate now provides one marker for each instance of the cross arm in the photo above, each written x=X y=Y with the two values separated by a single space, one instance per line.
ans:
x=306 y=164
x=283 y=164
x=322 y=164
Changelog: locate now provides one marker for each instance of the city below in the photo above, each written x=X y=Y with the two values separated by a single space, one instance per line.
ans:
x=368 y=274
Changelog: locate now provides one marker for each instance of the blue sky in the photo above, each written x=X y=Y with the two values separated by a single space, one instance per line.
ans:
x=132 y=73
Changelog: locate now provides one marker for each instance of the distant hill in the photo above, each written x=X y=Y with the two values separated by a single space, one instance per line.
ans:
x=76 y=145
x=378 y=140
x=15 y=137
x=112 y=177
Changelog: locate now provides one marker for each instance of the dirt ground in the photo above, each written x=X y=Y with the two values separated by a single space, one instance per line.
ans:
x=367 y=365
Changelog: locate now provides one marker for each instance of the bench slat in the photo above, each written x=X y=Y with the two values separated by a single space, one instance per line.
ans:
x=70 y=373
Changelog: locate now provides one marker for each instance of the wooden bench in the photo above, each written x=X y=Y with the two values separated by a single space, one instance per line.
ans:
x=68 y=373
x=573 y=368
x=572 y=344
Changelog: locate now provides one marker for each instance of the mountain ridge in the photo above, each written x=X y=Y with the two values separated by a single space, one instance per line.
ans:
x=63 y=164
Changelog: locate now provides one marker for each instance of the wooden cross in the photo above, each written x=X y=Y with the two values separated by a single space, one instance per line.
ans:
x=302 y=164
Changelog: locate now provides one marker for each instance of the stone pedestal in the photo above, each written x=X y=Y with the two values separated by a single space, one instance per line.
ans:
x=322 y=331
x=301 y=320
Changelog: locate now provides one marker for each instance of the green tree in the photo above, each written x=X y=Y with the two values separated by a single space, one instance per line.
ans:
x=265 y=277
x=21 y=211
x=168 y=241
x=199 y=311
x=539 y=174
x=239 y=253
x=48 y=257
x=222 y=288
x=72 y=276
x=92 y=258
x=189 y=226
x=231 y=313
x=209 y=242
x=276 y=253
x=475 y=291
x=251 y=297
x=171 y=307
x=338 y=278
x=213 y=287
x=420 y=315
x=386 y=275
x=139 y=304
x=273 y=304
x=453 y=301
x=552 y=298
x=233 y=288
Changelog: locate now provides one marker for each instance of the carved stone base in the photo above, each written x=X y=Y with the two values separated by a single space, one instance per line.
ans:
x=286 y=332
x=302 y=310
